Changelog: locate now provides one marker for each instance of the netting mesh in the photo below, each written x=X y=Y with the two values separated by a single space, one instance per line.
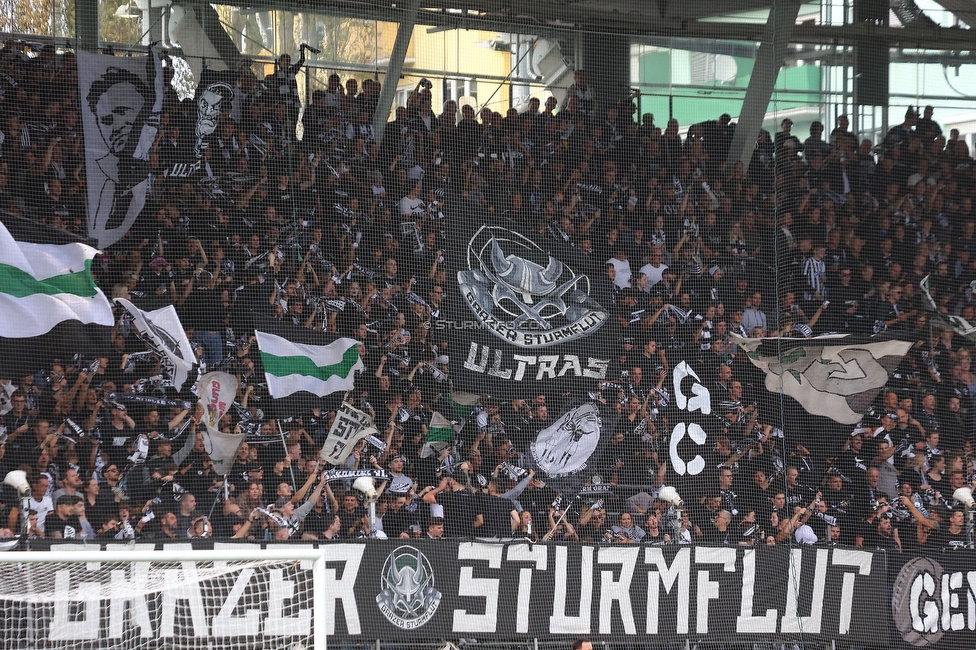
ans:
x=165 y=604
x=669 y=286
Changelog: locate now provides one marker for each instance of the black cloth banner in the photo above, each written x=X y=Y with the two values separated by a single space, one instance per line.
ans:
x=527 y=314
x=421 y=590
x=933 y=600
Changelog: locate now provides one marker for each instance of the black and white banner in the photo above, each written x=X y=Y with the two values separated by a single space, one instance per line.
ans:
x=566 y=452
x=163 y=333
x=526 y=315
x=349 y=427
x=122 y=99
x=933 y=600
x=217 y=391
x=217 y=93
x=423 y=589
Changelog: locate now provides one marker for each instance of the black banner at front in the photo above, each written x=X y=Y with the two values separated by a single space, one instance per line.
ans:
x=426 y=589
x=933 y=600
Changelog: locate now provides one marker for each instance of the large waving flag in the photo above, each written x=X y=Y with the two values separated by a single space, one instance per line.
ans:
x=42 y=285
x=163 y=333
x=318 y=369
x=833 y=376
x=440 y=433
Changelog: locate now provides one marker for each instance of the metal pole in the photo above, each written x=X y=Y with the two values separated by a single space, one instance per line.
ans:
x=291 y=470
x=318 y=599
x=372 y=517
x=393 y=70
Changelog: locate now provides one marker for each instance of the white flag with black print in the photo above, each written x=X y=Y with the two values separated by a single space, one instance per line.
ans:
x=350 y=426
x=122 y=103
x=833 y=376
x=217 y=391
x=163 y=333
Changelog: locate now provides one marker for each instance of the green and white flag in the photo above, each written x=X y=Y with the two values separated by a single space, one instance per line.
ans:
x=319 y=369
x=440 y=433
x=42 y=285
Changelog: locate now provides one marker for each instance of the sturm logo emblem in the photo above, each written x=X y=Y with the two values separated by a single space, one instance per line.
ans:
x=523 y=295
x=407 y=598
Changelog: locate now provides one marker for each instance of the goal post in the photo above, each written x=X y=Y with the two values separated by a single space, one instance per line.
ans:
x=145 y=599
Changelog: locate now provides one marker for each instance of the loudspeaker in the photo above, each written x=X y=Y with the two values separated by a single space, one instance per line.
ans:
x=871 y=72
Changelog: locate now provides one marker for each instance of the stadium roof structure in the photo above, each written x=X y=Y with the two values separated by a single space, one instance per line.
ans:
x=673 y=18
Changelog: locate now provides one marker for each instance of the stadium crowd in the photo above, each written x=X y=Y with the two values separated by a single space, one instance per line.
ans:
x=332 y=232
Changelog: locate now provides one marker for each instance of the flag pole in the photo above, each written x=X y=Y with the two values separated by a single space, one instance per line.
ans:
x=562 y=518
x=291 y=470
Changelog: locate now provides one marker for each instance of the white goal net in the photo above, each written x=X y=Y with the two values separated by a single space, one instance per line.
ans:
x=217 y=600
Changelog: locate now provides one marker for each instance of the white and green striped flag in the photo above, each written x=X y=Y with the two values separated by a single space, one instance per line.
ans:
x=42 y=285
x=319 y=369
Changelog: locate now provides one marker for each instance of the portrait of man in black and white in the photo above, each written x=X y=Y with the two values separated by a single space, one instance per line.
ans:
x=124 y=109
x=214 y=99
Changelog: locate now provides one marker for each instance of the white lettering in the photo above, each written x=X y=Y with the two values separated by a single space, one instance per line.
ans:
x=950 y=601
x=547 y=366
x=276 y=624
x=698 y=435
x=596 y=368
x=792 y=622
x=472 y=363
x=131 y=592
x=680 y=572
x=571 y=362
x=183 y=585
x=702 y=400
x=343 y=589
x=496 y=367
x=971 y=598
x=747 y=623
x=560 y=622
x=708 y=589
x=924 y=583
x=127 y=593
x=539 y=555
x=861 y=560
x=617 y=590
x=522 y=361
x=486 y=588
x=225 y=623
x=67 y=624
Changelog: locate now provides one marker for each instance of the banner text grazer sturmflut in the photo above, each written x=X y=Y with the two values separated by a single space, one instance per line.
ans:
x=501 y=591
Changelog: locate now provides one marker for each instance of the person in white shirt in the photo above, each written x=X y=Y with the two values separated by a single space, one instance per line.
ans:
x=412 y=205
x=40 y=500
x=655 y=269
x=622 y=266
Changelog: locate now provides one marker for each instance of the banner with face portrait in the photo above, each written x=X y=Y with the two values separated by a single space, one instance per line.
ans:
x=122 y=100
x=216 y=94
